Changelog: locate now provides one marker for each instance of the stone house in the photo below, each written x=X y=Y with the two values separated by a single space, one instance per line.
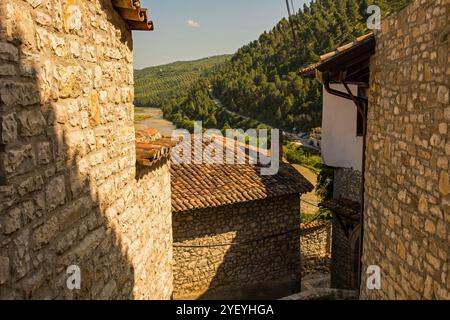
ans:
x=315 y=247
x=403 y=155
x=72 y=192
x=236 y=232
x=342 y=144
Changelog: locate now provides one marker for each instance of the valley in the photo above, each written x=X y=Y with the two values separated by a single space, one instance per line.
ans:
x=153 y=118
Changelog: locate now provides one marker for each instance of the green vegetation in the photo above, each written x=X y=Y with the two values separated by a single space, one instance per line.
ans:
x=261 y=82
x=324 y=187
x=307 y=157
x=197 y=105
x=261 y=79
x=310 y=158
x=389 y=6
x=155 y=84
x=321 y=214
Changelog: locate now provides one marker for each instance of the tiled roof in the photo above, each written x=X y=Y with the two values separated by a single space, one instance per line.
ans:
x=310 y=70
x=151 y=147
x=199 y=186
x=136 y=17
x=147 y=135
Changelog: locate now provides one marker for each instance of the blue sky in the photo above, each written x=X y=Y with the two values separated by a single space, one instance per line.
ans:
x=193 y=29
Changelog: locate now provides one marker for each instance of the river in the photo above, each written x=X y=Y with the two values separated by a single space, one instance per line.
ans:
x=155 y=120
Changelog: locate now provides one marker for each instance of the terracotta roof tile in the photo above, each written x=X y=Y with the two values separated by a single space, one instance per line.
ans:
x=136 y=17
x=211 y=185
x=147 y=135
x=151 y=147
x=309 y=70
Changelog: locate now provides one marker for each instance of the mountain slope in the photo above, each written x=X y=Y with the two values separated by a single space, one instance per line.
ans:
x=261 y=82
x=154 y=84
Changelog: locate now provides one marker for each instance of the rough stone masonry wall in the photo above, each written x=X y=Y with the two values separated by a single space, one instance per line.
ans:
x=68 y=192
x=267 y=268
x=315 y=244
x=344 y=254
x=345 y=248
x=407 y=180
x=347 y=184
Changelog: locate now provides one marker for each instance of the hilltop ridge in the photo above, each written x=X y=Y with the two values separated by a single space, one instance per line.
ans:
x=155 y=84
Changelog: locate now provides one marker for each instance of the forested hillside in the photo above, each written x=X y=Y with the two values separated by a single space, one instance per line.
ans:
x=198 y=106
x=154 y=84
x=261 y=79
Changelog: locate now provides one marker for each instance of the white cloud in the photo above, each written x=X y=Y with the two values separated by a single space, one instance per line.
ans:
x=193 y=24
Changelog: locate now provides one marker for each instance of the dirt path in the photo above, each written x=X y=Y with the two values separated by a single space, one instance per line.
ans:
x=310 y=200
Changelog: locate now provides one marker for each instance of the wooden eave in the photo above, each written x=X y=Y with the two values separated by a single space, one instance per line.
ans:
x=351 y=66
x=136 y=17
x=349 y=63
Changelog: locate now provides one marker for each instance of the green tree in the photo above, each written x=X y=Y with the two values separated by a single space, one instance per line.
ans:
x=260 y=80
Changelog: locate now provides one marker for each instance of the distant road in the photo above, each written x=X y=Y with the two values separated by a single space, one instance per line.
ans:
x=220 y=105
x=296 y=137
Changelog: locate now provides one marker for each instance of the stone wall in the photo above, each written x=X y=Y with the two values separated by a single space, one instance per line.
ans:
x=259 y=265
x=345 y=246
x=315 y=244
x=407 y=201
x=347 y=184
x=68 y=188
x=345 y=254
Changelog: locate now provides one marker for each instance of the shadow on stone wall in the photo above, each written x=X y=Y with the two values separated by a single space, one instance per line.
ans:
x=266 y=284
x=267 y=268
x=49 y=208
x=315 y=239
